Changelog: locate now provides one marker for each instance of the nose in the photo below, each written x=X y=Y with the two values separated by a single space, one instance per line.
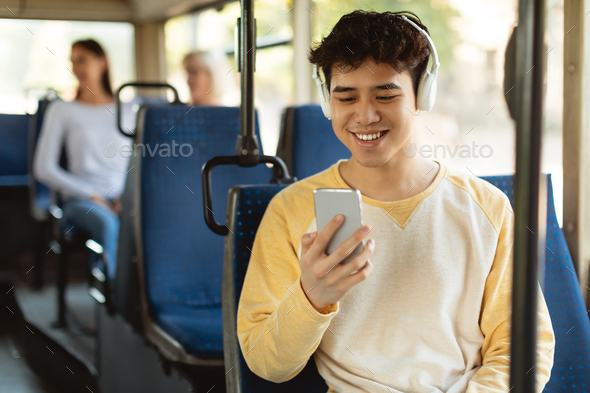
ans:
x=366 y=113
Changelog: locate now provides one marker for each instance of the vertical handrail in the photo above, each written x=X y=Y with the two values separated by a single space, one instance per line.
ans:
x=530 y=195
x=538 y=209
x=247 y=147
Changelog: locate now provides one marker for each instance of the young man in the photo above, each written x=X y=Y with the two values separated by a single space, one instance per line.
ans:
x=426 y=306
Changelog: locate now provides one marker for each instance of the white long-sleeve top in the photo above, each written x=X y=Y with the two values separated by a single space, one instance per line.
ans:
x=92 y=144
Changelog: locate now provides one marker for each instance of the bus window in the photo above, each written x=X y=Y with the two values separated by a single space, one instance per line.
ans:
x=39 y=53
x=469 y=127
x=214 y=30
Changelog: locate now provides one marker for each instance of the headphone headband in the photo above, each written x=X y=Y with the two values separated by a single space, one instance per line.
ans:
x=435 y=63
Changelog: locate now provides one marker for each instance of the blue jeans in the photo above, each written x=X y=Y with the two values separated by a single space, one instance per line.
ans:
x=100 y=223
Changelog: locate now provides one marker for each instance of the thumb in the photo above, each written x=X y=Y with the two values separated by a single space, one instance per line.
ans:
x=307 y=241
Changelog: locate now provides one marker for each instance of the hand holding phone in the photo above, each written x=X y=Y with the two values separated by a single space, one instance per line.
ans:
x=324 y=278
x=330 y=202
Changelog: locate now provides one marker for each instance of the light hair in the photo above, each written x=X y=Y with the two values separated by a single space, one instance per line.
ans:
x=215 y=61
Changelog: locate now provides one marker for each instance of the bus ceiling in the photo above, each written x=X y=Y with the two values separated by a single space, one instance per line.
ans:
x=133 y=11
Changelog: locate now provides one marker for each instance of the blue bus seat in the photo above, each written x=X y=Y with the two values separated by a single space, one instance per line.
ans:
x=246 y=206
x=561 y=290
x=126 y=297
x=569 y=316
x=13 y=150
x=180 y=259
x=307 y=143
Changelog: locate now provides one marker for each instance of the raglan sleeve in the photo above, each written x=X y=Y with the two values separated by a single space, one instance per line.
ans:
x=278 y=328
x=495 y=319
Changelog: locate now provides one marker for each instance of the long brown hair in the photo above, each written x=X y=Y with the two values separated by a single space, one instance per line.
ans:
x=95 y=48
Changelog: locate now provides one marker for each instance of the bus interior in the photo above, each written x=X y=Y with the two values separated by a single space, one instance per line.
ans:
x=511 y=110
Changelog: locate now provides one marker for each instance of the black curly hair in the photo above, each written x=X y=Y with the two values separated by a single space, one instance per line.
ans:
x=383 y=36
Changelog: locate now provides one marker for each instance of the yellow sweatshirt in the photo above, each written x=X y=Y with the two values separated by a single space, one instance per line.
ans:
x=433 y=316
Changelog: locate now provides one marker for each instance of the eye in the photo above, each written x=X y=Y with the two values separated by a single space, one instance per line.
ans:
x=386 y=98
x=345 y=99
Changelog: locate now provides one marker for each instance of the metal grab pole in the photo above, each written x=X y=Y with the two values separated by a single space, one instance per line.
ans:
x=530 y=192
x=247 y=147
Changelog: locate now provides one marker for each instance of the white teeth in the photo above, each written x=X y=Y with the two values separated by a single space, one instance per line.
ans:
x=369 y=137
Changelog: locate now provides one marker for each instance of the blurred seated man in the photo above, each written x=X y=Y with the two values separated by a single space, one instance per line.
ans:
x=209 y=80
x=86 y=129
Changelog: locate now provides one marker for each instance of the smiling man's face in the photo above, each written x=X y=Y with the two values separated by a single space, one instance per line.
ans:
x=373 y=111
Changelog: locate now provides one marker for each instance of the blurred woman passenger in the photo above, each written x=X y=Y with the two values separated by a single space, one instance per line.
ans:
x=86 y=131
x=209 y=79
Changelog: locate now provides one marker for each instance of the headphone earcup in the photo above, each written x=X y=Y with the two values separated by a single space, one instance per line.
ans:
x=426 y=91
x=324 y=100
x=322 y=93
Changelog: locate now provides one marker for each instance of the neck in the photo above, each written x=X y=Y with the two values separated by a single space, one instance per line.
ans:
x=206 y=101
x=93 y=94
x=400 y=178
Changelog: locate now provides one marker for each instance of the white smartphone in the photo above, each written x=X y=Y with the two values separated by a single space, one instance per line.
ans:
x=330 y=202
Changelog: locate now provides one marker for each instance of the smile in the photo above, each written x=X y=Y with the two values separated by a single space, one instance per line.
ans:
x=370 y=137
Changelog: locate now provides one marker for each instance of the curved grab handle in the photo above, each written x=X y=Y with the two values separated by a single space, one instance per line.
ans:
x=281 y=177
x=140 y=84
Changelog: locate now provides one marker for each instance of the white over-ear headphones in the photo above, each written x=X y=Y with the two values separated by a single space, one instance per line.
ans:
x=323 y=93
x=426 y=86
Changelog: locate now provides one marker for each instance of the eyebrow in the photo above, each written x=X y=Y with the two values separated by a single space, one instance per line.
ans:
x=388 y=86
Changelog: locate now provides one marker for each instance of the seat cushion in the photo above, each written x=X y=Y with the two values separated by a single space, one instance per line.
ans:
x=14 y=181
x=198 y=329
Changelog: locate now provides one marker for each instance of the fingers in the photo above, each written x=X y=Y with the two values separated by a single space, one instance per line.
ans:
x=321 y=242
x=358 y=262
x=117 y=205
x=357 y=270
x=337 y=273
x=348 y=246
x=307 y=241
x=359 y=276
